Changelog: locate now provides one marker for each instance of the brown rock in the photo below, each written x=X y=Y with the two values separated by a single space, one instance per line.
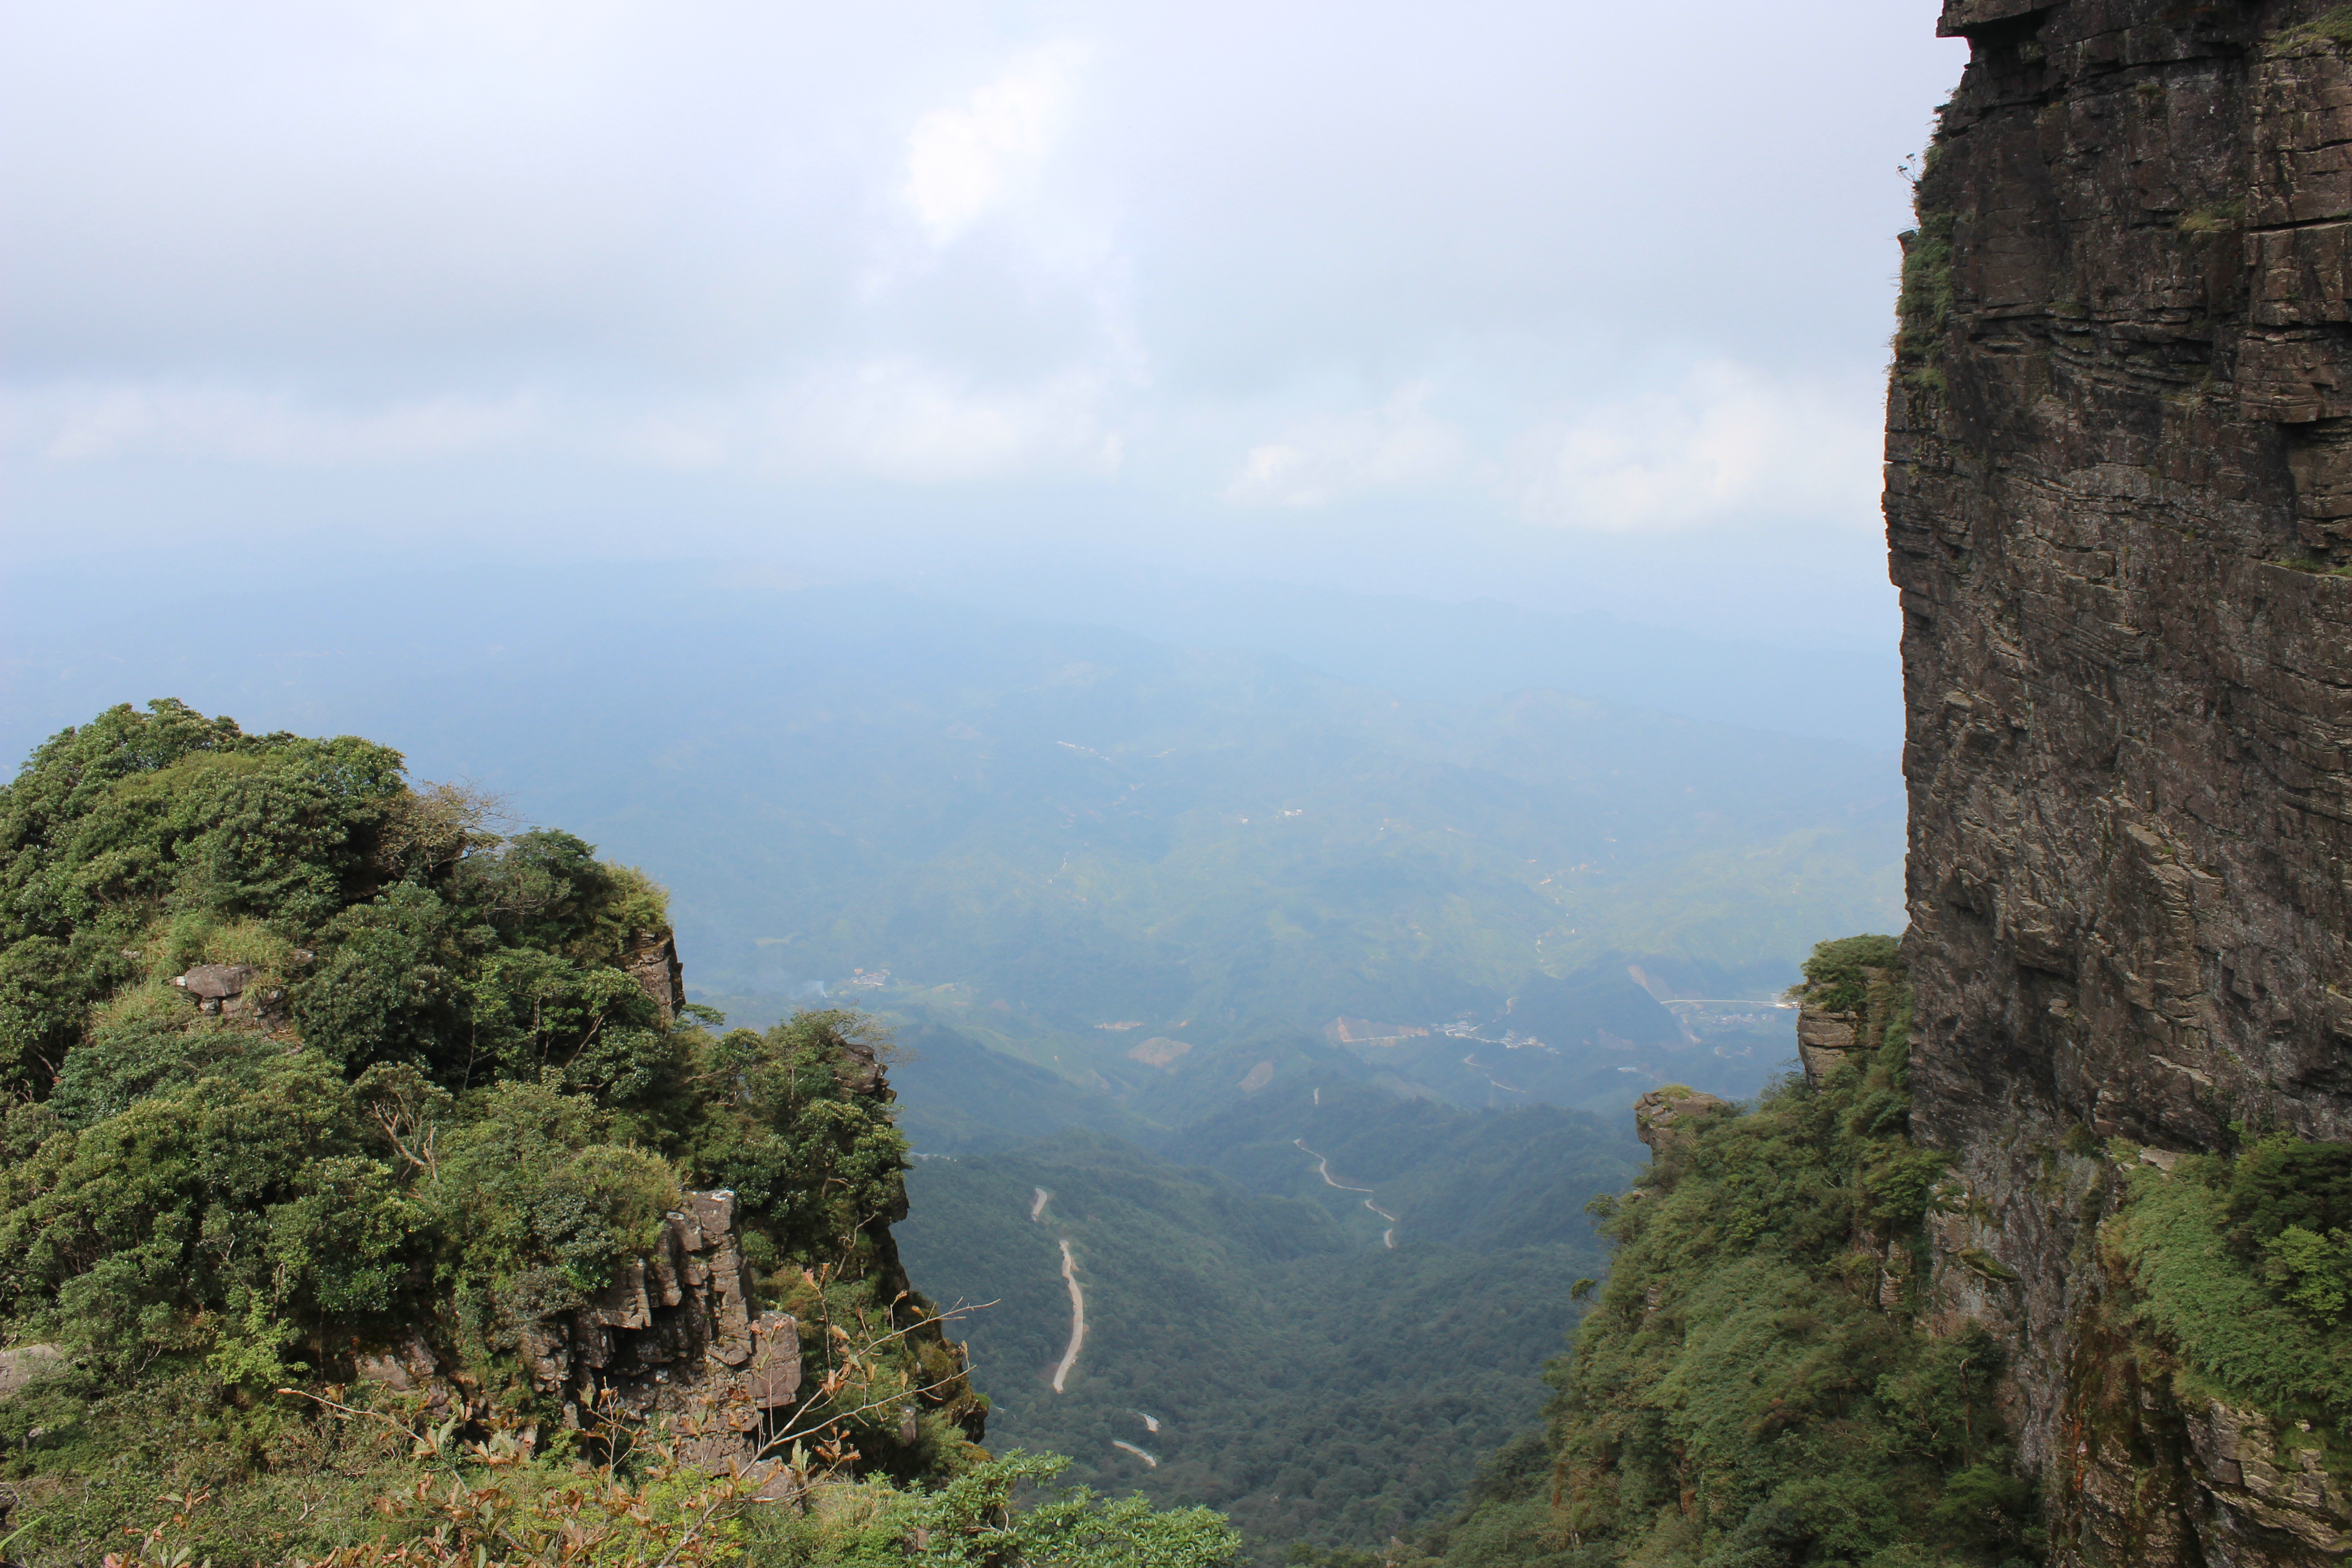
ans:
x=623 y=1305
x=2129 y=723
x=652 y=963
x=1824 y=1041
x=857 y=1069
x=667 y=1286
x=713 y=1214
x=775 y=1369
x=1664 y=1118
x=407 y=1365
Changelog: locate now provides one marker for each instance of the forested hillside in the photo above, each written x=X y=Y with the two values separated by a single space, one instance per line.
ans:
x=1325 y=1314
x=368 y=1187
x=1755 y=1384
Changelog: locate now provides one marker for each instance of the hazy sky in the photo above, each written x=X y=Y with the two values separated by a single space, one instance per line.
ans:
x=1526 y=300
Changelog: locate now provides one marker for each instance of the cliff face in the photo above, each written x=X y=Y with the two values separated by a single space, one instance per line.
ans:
x=2119 y=484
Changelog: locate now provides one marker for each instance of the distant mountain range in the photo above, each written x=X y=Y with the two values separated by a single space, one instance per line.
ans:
x=1067 y=826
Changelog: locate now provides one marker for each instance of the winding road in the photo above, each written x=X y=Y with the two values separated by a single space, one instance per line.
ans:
x=1077 y=1318
x=1037 y=1203
x=1472 y=1062
x=1323 y=1169
x=1151 y=1459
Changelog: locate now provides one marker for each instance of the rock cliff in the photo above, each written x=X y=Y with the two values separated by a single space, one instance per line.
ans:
x=675 y=1336
x=2119 y=512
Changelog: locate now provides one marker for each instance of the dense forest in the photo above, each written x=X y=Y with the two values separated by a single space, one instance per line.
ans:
x=364 y=1172
x=1298 y=1371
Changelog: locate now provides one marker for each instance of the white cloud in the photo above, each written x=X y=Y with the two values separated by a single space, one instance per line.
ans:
x=963 y=160
x=905 y=420
x=93 y=423
x=1727 y=446
x=1331 y=455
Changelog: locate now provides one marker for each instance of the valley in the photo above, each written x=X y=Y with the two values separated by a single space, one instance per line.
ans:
x=1258 y=1040
x=1312 y=1309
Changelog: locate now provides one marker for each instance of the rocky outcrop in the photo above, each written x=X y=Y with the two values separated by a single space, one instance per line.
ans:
x=674 y=1335
x=1663 y=1118
x=1829 y=1037
x=20 y=1364
x=227 y=990
x=652 y=961
x=2118 y=504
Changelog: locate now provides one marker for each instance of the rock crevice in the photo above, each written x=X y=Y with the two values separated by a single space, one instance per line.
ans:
x=674 y=1335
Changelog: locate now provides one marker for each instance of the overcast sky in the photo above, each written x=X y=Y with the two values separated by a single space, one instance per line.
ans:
x=1529 y=300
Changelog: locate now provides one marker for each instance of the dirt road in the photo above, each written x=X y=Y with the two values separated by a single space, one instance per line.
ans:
x=1323 y=1169
x=1077 y=1316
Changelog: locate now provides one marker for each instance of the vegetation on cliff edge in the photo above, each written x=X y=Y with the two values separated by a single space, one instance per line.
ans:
x=2239 y=1267
x=431 y=1084
x=1752 y=1387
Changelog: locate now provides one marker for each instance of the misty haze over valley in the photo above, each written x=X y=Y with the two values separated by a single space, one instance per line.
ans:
x=789 y=775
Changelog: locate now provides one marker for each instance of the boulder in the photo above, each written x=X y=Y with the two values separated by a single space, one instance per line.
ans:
x=214 y=981
x=775 y=1369
x=20 y=1364
x=406 y=1365
x=1824 y=1041
x=1664 y=1118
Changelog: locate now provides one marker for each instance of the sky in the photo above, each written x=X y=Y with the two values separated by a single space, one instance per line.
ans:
x=1563 y=304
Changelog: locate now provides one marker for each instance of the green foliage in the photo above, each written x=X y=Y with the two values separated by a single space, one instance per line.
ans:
x=2314 y=1271
x=2244 y=1266
x=146 y=1236
x=2331 y=29
x=465 y=1506
x=1311 y=1381
x=1924 y=306
x=439 y=1103
x=1837 y=973
x=126 y=821
x=1739 y=1394
x=973 y=1522
x=2223 y=219
x=814 y=1162
x=2280 y=1181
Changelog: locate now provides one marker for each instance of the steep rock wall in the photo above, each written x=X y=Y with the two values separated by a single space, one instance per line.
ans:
x=2118 y=484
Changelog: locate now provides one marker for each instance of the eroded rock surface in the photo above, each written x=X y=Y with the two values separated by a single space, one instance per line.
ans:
x=1663 y=1118
x=2119 y=484
x=674 y=1335
x=1827 y=1038
x=653 y=963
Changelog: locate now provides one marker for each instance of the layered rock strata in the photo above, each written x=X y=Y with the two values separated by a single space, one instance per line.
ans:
x=1827 y=1038
x=1664 y=1118
x=2119 y=506
x=652 y=961
x=674 y=1336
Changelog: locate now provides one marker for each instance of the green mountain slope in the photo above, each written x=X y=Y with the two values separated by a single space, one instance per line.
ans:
x=1311 y=1380
x=345 y=1139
